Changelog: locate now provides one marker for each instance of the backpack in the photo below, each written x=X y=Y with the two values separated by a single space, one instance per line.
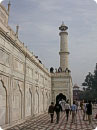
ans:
x=96 y=116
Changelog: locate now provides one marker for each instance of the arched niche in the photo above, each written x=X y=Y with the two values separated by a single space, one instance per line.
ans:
x=36 y=109
x=16 y=103
x=28 y=102
x=41 y=100
x=3 y=103
x=45 y=101
x=49 y=98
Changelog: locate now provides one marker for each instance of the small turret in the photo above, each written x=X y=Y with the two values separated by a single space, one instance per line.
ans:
x=9 y=7
x=63 y=27
x=17 y=30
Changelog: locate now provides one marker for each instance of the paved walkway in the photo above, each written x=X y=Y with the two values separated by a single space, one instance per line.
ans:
x=42 y=122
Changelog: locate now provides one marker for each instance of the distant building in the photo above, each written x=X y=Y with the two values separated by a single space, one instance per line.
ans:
x=76 y=92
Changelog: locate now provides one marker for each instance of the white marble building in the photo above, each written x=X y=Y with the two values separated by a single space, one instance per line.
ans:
x=26 y=86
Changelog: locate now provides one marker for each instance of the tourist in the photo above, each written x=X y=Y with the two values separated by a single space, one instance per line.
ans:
x=51 y=111
x=57 y=108
x=76 y=103
x=73 y=109
x=96 y=116
x=85 y=110
x=89 y=112
x=67 y=109
x=62 y=103
x=81 y=105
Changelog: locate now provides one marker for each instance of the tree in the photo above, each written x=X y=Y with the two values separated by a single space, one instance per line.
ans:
x=88 y=81
x=91 y=84
x=95 y=79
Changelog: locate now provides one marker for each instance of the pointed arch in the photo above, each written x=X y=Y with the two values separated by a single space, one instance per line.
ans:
x=16 y=103
x=36 y=102
x=46 y=101
x=28 y=101
x=42 y=101
x=21 y=99
x=60 y=96
x=3 y=104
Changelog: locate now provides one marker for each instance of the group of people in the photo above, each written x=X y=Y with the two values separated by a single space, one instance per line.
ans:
x=57 y=108
x=65 y=107
x=62 y=106
x=86 y=107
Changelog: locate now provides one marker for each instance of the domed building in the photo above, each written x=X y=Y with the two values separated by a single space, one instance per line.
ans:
x=76 y=92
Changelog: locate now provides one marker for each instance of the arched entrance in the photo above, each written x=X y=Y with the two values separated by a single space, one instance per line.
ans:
x=60 y=97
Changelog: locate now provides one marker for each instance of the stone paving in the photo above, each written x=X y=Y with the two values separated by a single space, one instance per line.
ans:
x=42 y=122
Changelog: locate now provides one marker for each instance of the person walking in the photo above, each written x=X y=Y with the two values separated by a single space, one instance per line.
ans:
x=85 y=110
x=67 y=109
x=76 y=103
x=51 y=111
x=89 y=112
x=57 y=109
x=73 y=109
x=62 y=103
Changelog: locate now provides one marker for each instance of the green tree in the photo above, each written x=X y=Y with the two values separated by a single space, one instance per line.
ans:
x=95 y=79
x=91 y=85
x=88 y=81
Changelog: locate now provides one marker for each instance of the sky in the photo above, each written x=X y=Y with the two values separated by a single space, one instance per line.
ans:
x=39 y=22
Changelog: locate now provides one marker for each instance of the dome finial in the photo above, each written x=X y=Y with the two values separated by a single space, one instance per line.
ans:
x=9 y=7
x=63 y=27
x=62 y=22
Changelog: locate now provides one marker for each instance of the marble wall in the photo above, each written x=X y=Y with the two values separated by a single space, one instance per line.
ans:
x=25 y=84
x=62 y=83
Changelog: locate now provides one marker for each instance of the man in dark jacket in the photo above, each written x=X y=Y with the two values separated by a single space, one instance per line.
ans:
x=51 y=111
x=89 y=111
x=58 y=108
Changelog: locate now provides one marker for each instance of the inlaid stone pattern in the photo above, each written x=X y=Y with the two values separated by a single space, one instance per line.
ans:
x=43 y=122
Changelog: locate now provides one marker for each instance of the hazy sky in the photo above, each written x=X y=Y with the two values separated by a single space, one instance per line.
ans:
x=39 y=21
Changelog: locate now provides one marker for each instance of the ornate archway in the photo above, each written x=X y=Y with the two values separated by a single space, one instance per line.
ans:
x=60 y=96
